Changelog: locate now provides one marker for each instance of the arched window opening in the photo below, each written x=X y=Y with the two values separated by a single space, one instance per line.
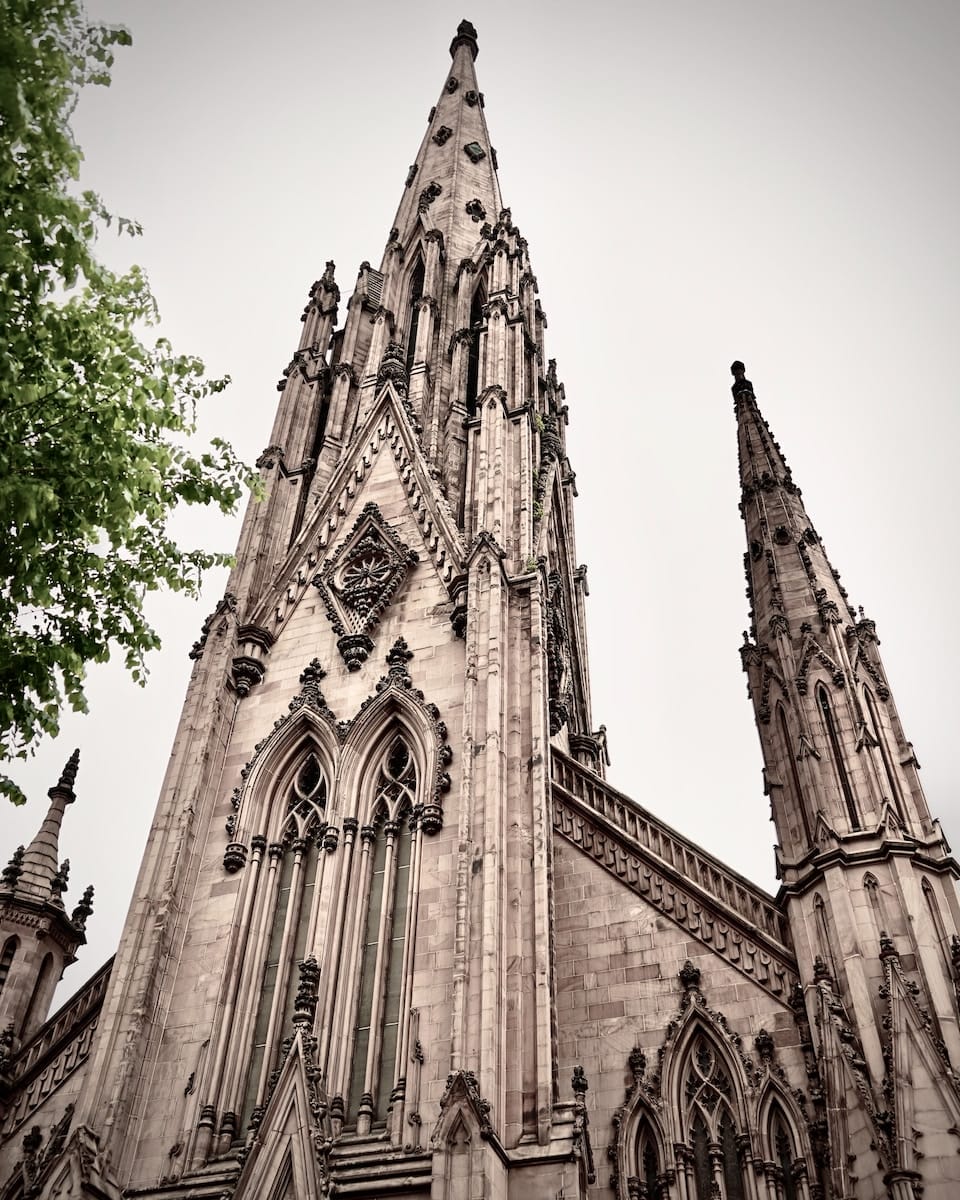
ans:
x=940 y=930
x=383 y=952
x=829 y=724
x=793 y=774
x=295 y=860
x=413 y=308
x=896 y=797
x=708 y=1097
x=784 y=1155
x=648 y=1164
x=6 y=958
x=473 y=356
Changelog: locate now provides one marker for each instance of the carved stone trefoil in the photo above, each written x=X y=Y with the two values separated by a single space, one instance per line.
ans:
x=358 y=583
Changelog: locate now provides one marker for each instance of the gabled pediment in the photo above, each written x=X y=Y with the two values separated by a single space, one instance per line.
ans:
x=287 y=1155
x=916 y=1063
x=336 y=526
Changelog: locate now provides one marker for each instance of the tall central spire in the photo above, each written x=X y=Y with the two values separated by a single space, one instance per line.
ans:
x=452 y=184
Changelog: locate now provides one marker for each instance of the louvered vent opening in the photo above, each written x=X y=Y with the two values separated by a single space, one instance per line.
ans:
x=374 y=286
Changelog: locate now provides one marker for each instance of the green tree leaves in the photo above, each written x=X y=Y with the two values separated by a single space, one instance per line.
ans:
x=95 y=421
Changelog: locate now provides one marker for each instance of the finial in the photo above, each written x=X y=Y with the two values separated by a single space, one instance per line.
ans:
x=14 y=869
x=58 y=885
x=68 y=777
x=466 y=36
x=83 y=909
x=741 y=383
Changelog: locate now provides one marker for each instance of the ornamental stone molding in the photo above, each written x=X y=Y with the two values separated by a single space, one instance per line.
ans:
x=360 y=580
x=428 y=812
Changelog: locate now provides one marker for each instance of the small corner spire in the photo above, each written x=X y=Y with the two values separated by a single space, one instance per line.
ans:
x=466 y=36
x=40 y=864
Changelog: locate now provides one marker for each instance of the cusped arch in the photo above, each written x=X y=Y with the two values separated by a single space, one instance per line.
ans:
x=677 y=1065
x=271 y=777
x=642 y=1146
x=776 y=1102
x=392 y=714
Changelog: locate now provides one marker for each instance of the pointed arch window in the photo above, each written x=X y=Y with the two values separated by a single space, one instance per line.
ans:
x=473 y=354
x=645 y=1186
x=388 y=844
x=896 y=797
x=710 y=1119
x=784 y=1156
x=287 y=922
x=10 y=947
x=797 y=795
x=417 y=278
x=826 y=710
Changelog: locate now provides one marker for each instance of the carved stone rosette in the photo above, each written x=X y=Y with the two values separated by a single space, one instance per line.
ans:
x=358 y=583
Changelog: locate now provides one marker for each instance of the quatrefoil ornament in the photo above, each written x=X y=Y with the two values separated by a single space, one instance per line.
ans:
x=358 y=583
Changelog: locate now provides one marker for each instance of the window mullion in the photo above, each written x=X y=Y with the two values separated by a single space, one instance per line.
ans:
x=251 y=996
x=384 y=931
x=331 y=960
x=345 y=1021
x=291 y=920
x=403 y=1035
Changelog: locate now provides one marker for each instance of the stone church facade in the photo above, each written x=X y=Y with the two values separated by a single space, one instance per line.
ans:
x=394 y=935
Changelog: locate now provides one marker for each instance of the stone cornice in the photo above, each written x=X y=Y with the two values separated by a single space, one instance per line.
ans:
x=733 y=917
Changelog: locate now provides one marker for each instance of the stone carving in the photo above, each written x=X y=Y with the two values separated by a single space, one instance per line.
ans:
x=689 y=977
x=84 y=909
x=465 y=1084
x=411 y=175
x=227 y=605
x=305 y=1004
x=476 y=211
x=358 y=583
x=558 y=655
x=475 y=152
x=443 y=134
x=428 y=195
x=12 y=871
x=452 y=84
x=393 y=368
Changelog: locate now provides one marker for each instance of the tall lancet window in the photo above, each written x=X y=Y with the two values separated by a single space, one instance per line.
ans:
x=784 y=1156
x=829 y=724
x=711 y=1124
x=413 y=308
x=383 y=968
x=473 y=355
x=796 y=789
x=287 y=922
x=881 y=740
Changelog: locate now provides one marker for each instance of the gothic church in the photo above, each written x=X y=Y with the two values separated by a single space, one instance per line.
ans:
x=393 y=933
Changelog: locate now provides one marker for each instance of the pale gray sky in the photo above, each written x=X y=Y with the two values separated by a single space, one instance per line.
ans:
x=698 y=182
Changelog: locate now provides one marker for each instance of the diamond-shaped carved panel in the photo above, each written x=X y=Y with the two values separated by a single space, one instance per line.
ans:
x=358 y=583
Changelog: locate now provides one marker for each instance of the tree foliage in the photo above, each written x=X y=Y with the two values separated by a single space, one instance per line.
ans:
x=95 y=418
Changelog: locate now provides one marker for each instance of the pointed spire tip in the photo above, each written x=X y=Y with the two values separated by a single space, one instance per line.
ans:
x=740 y=382
x=466 y=36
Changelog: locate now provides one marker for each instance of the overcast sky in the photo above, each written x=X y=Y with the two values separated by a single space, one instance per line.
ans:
x=698 y=182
